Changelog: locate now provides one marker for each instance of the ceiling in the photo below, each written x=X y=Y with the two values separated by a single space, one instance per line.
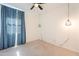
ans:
x=22 y=6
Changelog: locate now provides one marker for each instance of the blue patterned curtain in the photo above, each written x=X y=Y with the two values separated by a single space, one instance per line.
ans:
x=21 y=38
x=1 y=40
x=9 y=17
x=8 y=27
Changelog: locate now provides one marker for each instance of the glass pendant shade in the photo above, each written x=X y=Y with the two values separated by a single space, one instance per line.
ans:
x=68 y=23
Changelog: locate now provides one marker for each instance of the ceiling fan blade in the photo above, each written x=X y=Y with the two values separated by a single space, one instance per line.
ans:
x=40 y=7
x=32 y=7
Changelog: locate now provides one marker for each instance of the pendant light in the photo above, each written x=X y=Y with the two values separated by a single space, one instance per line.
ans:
x=68 y=22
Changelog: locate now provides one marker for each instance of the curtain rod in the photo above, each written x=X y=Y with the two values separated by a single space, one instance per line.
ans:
x=12 y=6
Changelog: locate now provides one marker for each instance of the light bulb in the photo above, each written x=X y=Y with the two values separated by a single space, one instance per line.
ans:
x=68 y=23
x=36 y=5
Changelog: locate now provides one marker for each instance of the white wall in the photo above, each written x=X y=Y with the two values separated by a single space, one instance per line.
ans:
x=32 y=28
x=52 y=20
x=54 y=30
x=74 y=30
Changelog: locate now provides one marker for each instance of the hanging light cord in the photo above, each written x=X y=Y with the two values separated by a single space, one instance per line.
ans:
x=68 y=22
x=68 y=11
x=68 y=33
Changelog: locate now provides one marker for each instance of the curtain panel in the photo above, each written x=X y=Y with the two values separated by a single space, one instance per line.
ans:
x=9 y=28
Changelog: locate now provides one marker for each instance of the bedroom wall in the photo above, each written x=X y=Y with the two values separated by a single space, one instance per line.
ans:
x=32 y=28
x=53 y=28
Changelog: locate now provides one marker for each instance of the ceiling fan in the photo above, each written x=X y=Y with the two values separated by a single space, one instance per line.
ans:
x=37 y=5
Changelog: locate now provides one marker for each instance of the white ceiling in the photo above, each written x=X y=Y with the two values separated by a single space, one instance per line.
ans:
x=22 y=6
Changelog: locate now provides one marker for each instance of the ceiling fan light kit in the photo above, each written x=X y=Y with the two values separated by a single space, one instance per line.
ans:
x=37 y=5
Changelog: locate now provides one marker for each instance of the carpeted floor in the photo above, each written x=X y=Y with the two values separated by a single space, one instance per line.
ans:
x=37 y=48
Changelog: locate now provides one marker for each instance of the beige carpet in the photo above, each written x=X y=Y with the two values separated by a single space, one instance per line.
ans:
x=37 y=48
x=50 y=49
